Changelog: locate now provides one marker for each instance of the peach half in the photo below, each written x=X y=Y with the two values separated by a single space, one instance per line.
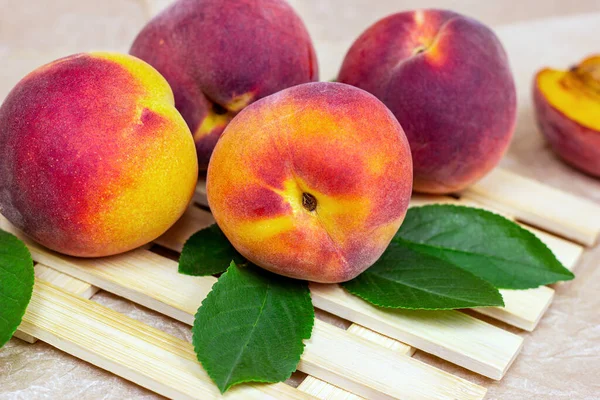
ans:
x=567 y=106
x=447 y=80
x=312 y=182
x=94 y=158
x=221 y=55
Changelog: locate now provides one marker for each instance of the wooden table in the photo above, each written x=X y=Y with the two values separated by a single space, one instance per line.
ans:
x=560 y=359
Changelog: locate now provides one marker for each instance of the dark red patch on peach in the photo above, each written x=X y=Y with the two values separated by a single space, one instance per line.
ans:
x=214 y=51
x=58 y=141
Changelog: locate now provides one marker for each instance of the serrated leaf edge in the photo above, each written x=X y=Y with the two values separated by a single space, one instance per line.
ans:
x=569 y=275
x=380 y=304
x=306 y=334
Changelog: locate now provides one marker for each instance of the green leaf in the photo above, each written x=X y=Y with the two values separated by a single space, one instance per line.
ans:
x=404 y=278
x=483 y=243
x=207 y=252
x=251 y=327
x=16 y=284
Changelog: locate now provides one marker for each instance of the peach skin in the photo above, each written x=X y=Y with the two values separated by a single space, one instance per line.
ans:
x=94 y=158
x=567 y=106
x=447 y=80
x=221 y=55
x=312 y=182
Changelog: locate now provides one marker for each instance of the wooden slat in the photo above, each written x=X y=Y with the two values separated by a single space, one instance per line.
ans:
x=452 y=345
x=195 y=219
x=519 y=310
x=63 y=281
x=381 y=340
x=455 y=346
x=375 y=372
x=539 y=205
x=326 y=391
x=451 y=335
x=130 y=349
x=523 y=308
x=152 y=281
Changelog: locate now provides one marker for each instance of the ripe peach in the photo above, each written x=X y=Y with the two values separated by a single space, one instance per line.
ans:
x=221 y=55
x=567 y=105
x=311 y=182
x=446 y=78
x=94 y=158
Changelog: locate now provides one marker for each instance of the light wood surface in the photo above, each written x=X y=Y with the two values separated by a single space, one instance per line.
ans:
x=439 y=342
x=451 y=335
x=513 y=194
x=483 y=354
x=130 y=349
x=153 y=281
x=195 y=219
x=373 y=371
x=326 y=391
x=63 y=281
x=116 y=274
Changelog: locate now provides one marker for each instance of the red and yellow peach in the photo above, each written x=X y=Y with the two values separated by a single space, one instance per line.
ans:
x=94 y=158
x=220 y=55
x=567 y=105
x=312 y=182
x=446 y=78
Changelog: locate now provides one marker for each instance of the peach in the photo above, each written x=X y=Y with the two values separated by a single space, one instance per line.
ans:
x=311 y=182
x=567 y=106
x=221 y=55
x=446 y=78
x=94 y=158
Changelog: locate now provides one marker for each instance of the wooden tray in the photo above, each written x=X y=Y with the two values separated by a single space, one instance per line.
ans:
x=371 y=359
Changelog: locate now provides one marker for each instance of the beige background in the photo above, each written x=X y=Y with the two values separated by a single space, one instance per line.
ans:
x=560 y=359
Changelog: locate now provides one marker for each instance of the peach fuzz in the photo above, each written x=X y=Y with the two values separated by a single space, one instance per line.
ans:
x=567 y=106
x=312 y=182
x=94 y=158
x=447 y=80
x=221 y=55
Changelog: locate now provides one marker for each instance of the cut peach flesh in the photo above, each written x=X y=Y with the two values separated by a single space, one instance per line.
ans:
x=575 y=93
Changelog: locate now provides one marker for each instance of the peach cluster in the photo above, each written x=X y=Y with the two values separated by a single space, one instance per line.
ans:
x=446 y=78
x=94 y=158
x=221 y=55
x=100 y=152
x=312 y=182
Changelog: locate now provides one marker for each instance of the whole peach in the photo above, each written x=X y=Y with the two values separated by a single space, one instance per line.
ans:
x=94 y=158
x=567 y=106
x=221 y=55
x=446 y=78
x=312 y=182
